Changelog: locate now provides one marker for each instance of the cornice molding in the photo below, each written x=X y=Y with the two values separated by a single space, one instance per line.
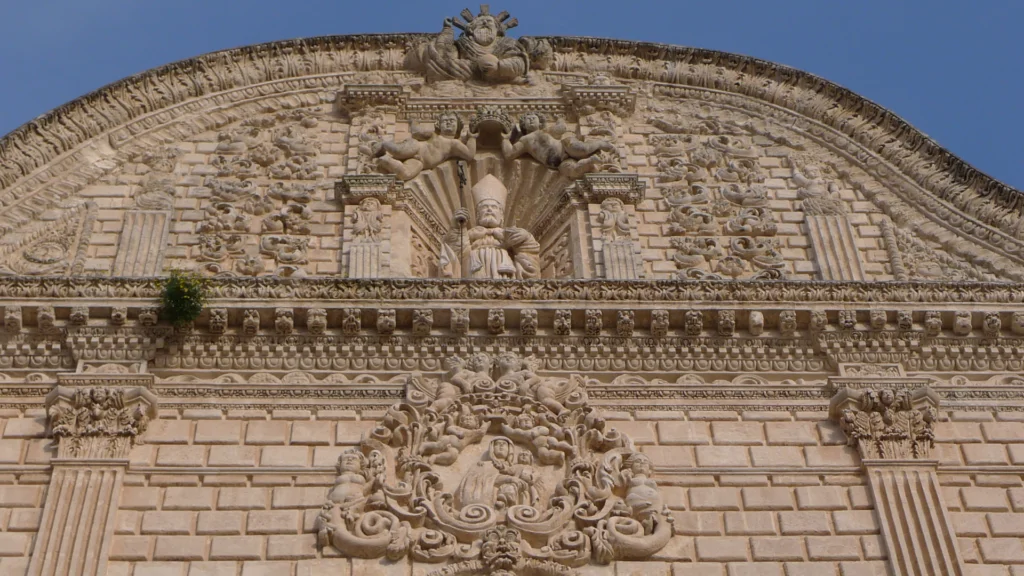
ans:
x=145 y=291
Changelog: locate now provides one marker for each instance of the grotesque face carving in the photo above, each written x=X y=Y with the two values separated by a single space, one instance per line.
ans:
x=489 y=214
x=99 y=395
x=887 y=397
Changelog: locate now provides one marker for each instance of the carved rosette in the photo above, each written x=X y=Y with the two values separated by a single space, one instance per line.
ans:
x=98 y=423
x=887 y=424
x=494 y=468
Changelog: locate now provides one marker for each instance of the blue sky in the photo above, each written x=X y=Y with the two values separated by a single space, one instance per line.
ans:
x=955 y=70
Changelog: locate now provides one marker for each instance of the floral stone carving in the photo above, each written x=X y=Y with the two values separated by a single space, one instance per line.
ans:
x=98 y=423
x=495 y=469
x=887 y=424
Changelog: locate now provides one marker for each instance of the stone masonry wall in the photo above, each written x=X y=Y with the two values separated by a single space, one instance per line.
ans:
x=25 y=454
x=225 y=492
x=751 y=493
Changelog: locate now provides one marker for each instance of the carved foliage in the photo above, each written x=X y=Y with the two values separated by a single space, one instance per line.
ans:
x=98 y=423
x=887 y=424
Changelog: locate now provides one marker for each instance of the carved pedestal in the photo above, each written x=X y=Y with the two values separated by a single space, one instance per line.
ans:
x=95 y=429
x=892 y=430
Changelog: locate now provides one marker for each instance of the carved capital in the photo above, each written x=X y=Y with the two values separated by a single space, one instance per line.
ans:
x=596 y=188
x=354 y=188
x=587 y=99
x=887 y=424
x=98 y=423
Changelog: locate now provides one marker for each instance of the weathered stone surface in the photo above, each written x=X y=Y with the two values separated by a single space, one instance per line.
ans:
x=468 y=292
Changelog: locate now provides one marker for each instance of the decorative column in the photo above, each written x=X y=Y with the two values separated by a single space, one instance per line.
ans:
x=95 y=427
x=610 y=201
x=892 y=430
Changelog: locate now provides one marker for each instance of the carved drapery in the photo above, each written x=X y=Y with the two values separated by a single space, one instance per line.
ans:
x=892 y=430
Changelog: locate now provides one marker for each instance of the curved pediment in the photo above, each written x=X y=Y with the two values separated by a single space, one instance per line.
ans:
x=226 y=163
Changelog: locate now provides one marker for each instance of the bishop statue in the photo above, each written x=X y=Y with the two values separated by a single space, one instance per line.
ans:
x=488 y=249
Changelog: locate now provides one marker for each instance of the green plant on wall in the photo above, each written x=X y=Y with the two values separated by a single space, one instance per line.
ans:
x=183 y=297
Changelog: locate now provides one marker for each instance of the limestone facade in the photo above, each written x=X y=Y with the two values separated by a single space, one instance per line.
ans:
x=480 y=304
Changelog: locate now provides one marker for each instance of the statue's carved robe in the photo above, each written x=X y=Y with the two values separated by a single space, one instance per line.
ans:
x=491 y=253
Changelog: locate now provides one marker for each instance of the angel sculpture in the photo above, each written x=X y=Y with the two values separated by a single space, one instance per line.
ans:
x=426 y=149
x=554 y=147
x=453 y=434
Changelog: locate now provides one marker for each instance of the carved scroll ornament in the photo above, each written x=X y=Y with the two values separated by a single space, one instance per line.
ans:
x=887 y=424
x=98 y=423
x=495 y=469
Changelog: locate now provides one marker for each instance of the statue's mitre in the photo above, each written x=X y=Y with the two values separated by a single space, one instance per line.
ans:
x=490 y=188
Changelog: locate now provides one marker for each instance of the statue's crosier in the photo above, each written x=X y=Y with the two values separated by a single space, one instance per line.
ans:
x=489 y=250
x=482 y=52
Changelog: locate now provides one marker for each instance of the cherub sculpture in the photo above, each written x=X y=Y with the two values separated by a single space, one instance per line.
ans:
x=554 y=147
x=426 y=149
x=453 y=435
x=461 y=378
x=354 y=480
x=547 y=439
x=642 y=495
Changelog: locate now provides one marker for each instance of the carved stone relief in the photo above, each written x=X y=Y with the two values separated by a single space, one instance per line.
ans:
x=495 y=467
x=481 y=52
x=98 y=423
x=888 y=424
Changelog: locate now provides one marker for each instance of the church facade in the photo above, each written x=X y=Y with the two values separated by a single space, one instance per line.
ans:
x=478 y=304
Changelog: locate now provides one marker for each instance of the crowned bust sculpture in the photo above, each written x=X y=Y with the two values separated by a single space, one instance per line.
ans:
x=482 y=52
